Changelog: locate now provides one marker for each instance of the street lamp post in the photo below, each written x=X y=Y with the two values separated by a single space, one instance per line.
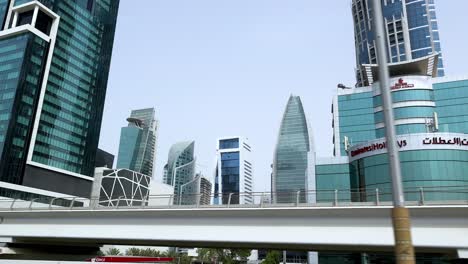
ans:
x=404 y=250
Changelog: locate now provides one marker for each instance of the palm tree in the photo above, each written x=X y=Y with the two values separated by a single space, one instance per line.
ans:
x=148 y=252
x=133 y=252
x=113 y=252
x=206 y=255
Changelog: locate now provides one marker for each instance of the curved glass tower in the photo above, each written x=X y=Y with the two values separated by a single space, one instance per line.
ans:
x=180 y=167
x=293 y=164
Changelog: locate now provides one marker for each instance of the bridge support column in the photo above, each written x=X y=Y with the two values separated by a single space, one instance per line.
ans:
x=462 y=253
x=404 y=250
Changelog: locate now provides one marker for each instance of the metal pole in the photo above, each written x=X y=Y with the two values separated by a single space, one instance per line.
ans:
x=404 y=250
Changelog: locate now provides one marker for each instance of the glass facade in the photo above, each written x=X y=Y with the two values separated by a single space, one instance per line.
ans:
x=431 y=169
x=3 y=12
x=230 y=172
x=431 y=172
x=331 y=178
x=22 y=59
x=415 y=104
x=412 y=32
x=234 y=172
x=137 y=149
x=53 y=81
x=452 y=105
x=229 y=143
x=356 y=118
x=439 y=172
x=191 y=192
x=128 y=147
x=180 y=167
x=291 y=159
x=70 y=121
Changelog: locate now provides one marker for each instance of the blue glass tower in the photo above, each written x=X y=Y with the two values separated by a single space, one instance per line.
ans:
x=234 y=171
x=412 y=32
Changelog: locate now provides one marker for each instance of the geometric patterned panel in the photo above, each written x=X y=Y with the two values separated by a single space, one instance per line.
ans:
x=123 y=187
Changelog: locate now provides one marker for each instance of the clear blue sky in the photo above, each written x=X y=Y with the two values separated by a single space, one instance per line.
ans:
x=215 y=68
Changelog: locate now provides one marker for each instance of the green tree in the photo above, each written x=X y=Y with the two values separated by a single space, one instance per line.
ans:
x=113 y=252
x=178 y=258
x=241 y=254
x=133 y=252
x=148 y=252
x=206 y=255
x=226 y=256
x=273 y=257
x=170 y=253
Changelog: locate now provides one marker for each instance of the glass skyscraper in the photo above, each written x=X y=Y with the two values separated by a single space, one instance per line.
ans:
x=137 y=149
x=54 y=65
x=234 y=172
x=411 y=30
x=180 y=167
x=293 y=164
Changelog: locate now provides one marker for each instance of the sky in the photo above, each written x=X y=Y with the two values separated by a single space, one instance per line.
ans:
x=216 y=68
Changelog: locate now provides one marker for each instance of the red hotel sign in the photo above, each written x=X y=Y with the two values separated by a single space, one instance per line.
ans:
x=376 y=146
x=401 y=84
x=414 y=143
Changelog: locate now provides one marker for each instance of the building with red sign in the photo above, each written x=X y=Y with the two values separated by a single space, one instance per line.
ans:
x=431 y=117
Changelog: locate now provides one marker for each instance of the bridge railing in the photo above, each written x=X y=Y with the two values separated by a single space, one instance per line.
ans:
x=442 y=195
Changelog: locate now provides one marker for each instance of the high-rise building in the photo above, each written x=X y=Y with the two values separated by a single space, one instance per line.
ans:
x=137 y=148
x=196 y=191
x=180 y=167
x=55 y=58
x=431 y=116
x=293 y=163
x=411 y=30
x=234 y=172
x=205 y=191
